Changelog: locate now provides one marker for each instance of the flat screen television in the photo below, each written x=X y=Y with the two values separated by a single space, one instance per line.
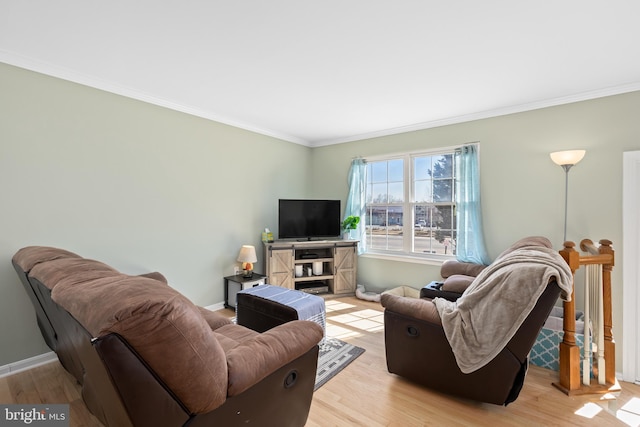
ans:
x=307 y=219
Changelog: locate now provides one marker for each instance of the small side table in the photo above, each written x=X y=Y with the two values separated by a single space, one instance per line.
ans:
x=234 y=284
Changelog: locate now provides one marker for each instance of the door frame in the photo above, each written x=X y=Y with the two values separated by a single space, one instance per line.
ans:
x=630 y=267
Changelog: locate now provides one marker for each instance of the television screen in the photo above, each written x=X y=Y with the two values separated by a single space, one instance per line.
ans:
x=308 y=219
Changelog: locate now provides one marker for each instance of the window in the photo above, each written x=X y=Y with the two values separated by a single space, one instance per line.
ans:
x=410 y=204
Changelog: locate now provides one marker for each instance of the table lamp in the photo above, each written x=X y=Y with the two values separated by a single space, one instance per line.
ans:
x=247 y=257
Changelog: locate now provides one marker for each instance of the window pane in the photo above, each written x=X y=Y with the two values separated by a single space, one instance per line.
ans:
x=443 y=190
x=443 y=166
x=379 y=193
x=396 y=192
x=423 y=216
x=384 y=228
x=377 y=216
x=426 y=242
x=422 y=168
x=444 y=233
x=423 y=242
x=443 y=217
x=378 y=172
x=395 y=217
x=396 y=170
x=422 y=191
x=423 y=183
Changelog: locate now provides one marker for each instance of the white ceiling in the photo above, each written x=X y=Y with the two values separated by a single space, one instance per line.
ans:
x=323 y=72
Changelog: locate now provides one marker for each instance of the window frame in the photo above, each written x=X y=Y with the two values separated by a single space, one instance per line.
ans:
x=409 y=204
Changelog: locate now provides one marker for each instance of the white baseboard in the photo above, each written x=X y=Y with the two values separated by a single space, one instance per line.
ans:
x=215 y=307
x=23 y=365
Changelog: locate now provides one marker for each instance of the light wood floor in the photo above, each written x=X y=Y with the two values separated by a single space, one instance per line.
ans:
x=365 y=394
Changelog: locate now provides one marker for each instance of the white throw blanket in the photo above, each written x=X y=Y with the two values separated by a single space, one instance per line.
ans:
x=483 y=320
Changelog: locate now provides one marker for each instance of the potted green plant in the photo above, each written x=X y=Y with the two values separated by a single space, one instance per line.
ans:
x=350 y=223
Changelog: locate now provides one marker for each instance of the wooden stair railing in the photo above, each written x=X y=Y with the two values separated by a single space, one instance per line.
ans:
x=570 y=381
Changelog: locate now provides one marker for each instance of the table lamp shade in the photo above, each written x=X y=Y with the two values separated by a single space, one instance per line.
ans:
x=247 y=254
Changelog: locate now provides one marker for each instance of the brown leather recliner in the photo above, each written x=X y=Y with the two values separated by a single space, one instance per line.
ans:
x=419 y=348
x=146 y=356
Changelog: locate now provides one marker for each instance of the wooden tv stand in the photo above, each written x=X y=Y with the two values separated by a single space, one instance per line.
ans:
x=338 y=258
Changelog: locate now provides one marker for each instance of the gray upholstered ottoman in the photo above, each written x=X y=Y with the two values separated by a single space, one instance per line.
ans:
x=265 y=306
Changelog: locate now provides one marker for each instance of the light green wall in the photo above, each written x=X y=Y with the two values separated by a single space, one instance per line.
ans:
x=522 y=189
x=137 y=186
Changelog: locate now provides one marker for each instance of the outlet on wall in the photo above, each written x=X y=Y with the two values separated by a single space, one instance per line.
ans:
x=236 y=270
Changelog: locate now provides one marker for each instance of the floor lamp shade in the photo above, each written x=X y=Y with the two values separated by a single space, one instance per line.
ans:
x=570 y=157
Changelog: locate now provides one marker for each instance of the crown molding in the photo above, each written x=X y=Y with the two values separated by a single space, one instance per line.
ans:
x=91 y=81
x=108 y=86
x=584 y=96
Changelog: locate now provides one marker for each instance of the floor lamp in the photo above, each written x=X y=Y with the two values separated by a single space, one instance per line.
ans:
x=567 y=159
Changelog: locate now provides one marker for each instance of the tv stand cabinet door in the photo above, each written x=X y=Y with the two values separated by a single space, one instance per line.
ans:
x=280 y=266
x=345 y=270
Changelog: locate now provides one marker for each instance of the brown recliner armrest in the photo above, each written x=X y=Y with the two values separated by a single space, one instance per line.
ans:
x=457 y=283
x=459 y=275
x=413 y=307
x=214 y=320
x=451 y=267
x=254 y=359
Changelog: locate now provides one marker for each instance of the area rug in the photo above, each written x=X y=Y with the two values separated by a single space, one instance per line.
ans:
x=334 y=356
